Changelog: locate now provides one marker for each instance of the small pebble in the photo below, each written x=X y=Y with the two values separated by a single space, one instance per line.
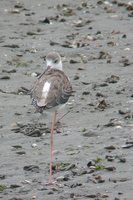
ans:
x=110 y=168
x=34 y=145
x=76 y=77
x=33 y=74
x=60 y=178
x=5 y=77
x=111 y=147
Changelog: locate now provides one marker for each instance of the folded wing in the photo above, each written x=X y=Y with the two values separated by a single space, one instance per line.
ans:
x=51 y=89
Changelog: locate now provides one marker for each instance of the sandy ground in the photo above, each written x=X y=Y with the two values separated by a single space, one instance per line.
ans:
x=93 y=144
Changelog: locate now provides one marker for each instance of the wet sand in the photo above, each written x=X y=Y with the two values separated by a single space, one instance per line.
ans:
x=93 y=143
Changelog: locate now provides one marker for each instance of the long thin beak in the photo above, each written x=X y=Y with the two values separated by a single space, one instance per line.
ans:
x=49 y=67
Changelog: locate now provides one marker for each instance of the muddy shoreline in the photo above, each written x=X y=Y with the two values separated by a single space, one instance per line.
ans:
x=93 y=143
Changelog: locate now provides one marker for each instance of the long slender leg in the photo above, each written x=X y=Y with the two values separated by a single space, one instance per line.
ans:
x=51 y=144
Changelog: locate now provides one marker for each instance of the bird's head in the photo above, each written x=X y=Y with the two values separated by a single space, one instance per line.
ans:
x=53 y=61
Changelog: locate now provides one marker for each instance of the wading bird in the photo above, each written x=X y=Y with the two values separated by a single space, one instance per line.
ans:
x=51 y=90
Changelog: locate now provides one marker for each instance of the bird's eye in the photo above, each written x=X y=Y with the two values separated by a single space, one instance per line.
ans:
x=55 y=61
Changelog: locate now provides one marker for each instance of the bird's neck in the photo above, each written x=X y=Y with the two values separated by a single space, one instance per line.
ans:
x=59 y=66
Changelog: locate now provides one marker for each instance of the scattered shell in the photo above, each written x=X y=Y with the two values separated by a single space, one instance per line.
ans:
x=11 y=45
x=89 y=133
x=127 y=49
x=111 y=147
x=20 y=152
x=2 y=188
x=125 y=61
x=34 y=145
x=118 y=180
x=34 y=74
x=67 y=12
x=110 y=158
x=76 y=77
x=5 y=77
x=32 y=168
x=72 y=61
x=14 y=11
x=13 y=186
x=91 y=195
x=114 y=122
x=63 y=178
x=129 y=5
x=85 y=93
x=17 y=146
x=127 y=146
x=9 y=71
x=112 y=79
x=74 y=185
x=104 y=55
x=45 y=21
x=102 y=105
x=104 y=195
x=18 y=5
x=99 y=179
x=31 y=129
x=110 y=168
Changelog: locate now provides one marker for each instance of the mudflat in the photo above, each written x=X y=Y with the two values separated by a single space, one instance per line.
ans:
x=94 y=140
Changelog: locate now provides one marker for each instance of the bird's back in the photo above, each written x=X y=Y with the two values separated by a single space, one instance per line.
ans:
x=51 y=89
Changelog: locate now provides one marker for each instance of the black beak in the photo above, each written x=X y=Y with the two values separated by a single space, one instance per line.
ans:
x=49 y=67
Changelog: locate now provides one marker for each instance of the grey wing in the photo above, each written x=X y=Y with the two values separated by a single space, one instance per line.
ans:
x=36 y=92
x=65 y=94
x=60 y=92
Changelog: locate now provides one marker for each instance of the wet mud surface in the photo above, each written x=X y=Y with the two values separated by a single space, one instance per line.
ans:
x=93 y=142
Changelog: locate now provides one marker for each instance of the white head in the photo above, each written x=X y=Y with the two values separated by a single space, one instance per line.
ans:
x=53 y=61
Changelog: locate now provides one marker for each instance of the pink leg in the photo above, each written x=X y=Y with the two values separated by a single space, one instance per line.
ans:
x=52 y=182
x=51 y=145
